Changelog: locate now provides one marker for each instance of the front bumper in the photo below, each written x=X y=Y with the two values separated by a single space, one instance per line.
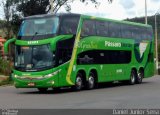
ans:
x=52 y=82
x=33 y=81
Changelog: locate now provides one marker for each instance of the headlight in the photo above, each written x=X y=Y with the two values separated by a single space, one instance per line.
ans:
x=38 y=77
x=16 y=76
x=48 y=76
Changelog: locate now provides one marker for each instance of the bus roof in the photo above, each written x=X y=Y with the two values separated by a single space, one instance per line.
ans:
x=51 y=15
x=118 y=21
x=88 y=17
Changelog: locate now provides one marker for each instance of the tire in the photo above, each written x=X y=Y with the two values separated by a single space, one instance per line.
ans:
x=139 y=77
x=42 y=90
x=132 y=77
x=78 y=83
x=91 y=81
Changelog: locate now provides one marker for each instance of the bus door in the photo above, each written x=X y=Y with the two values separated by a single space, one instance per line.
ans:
x=64 y=53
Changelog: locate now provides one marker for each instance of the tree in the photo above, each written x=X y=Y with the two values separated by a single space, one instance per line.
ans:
x=59 y=3
x=16 y=21
x=33 y=7
x=15 y=10
x=8 y=11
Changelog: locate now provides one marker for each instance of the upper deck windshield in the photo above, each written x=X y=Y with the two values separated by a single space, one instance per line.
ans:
x=38 y=27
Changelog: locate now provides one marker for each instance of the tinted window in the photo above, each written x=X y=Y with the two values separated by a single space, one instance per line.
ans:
x=143 y=32
x=102 y=28
x=149 y=33
x=69 y=25
x=126 y=31
x=64 y=50
x=114 y=30
x=136 y=33
x=104 y=57
x=41 y=26
x=88 y=28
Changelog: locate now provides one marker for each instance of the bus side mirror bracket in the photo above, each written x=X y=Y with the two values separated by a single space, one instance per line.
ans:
x=6 y=45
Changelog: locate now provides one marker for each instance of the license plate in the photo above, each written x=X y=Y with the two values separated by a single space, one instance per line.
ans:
x=31 y=84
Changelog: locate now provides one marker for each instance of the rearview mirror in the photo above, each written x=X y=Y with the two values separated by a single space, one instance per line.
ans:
x=6 y=45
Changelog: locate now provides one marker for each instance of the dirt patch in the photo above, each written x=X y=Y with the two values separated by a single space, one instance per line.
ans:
x=3 y=78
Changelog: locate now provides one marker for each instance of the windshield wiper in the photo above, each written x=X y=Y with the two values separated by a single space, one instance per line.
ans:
x=34 y=35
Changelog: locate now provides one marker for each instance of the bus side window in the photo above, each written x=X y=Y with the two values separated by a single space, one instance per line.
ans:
x=149 y=33
x=144 y=34
x=126 y=31
x=136 y=34
x=102 y=28
x=88 y=28
x=69 y=25
x=114 y=30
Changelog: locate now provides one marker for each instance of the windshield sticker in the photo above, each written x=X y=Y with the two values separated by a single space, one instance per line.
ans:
x=24 y=48
x=142 y=48
x=29 y=66
x=42 y=21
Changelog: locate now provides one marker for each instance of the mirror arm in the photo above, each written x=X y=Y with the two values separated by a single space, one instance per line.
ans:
x=6 y=45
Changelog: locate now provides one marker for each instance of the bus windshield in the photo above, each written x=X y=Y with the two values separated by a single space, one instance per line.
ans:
x=39 y=26
x=34 y=58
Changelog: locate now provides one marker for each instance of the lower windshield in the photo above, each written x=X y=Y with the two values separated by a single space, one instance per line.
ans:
x=34 y=58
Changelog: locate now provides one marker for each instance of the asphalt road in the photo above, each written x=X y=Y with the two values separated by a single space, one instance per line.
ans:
x=115 y=96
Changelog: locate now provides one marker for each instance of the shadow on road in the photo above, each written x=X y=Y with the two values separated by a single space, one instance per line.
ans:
x=69 y=90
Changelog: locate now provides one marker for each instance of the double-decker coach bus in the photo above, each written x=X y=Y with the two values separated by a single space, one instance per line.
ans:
x=79 y=51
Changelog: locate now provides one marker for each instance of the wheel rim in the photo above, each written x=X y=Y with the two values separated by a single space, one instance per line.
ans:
x=140 y=77
x=133 y=79
x=79 y=82
x=91 y=82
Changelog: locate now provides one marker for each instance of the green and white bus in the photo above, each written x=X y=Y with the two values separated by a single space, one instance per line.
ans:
x=79 y=51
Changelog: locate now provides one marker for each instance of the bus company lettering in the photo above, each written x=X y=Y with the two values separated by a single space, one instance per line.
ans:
x=32 y=42
x=85 y=45
x=112 y=44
